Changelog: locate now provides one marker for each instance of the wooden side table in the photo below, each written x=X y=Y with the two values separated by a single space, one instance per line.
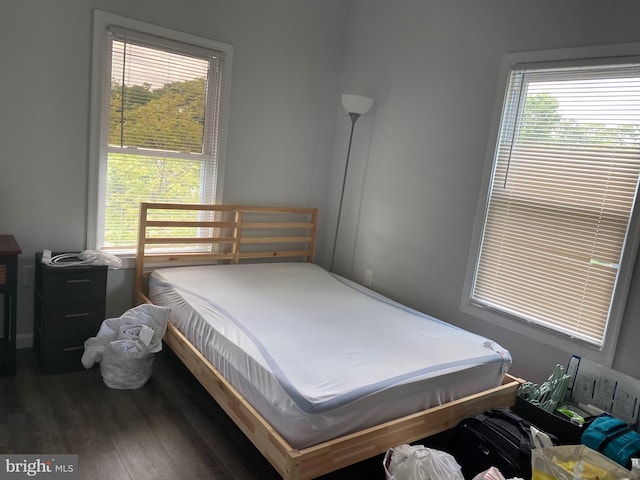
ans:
x=9 y=251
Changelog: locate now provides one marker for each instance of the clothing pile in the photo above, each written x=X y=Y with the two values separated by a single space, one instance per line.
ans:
x=125 y=346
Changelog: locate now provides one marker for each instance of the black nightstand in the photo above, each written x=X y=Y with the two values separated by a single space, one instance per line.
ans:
x=69 y=306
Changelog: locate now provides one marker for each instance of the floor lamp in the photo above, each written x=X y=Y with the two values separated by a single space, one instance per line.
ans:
x=355 y=105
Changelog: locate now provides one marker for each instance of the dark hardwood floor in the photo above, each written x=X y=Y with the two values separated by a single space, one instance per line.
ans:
x=169 y=429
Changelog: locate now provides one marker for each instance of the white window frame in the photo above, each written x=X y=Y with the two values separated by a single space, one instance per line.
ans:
x=98 y=141
x=605 y=354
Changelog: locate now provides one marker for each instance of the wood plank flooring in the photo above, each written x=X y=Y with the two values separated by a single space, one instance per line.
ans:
x=169 y=429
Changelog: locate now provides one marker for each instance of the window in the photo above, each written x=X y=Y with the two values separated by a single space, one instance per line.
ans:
x=558 y=234
x=157 y=124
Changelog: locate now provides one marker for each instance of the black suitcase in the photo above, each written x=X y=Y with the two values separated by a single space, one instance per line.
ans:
x=497 y=438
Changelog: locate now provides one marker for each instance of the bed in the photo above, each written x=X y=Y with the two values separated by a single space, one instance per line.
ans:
x=258 y=345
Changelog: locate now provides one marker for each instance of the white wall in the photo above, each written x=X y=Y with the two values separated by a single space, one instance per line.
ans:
x=287 y=63
x=432 y=67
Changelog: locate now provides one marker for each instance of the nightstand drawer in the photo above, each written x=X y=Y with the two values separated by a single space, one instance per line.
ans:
x=77 y=286
x=73 y=321
x=61 y=357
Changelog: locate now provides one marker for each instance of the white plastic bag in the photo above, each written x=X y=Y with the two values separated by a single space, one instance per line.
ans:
x=492 y=473
x=124 y=346
x=416 y=462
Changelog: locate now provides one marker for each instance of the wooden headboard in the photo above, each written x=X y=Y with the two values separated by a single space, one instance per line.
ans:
x=192 y=234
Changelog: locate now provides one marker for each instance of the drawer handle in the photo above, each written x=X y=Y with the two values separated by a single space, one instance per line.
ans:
x=71 y=349
x=81 y=280
x=74 y=315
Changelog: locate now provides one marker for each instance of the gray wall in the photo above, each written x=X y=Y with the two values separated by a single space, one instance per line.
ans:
x=286 y=69
x=417 y=159
x=433 y=67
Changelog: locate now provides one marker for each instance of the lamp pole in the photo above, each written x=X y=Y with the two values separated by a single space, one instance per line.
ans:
x=354 y=117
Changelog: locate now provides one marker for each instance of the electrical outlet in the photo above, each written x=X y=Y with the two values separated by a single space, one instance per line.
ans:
x=28 y=275
x=368 y=277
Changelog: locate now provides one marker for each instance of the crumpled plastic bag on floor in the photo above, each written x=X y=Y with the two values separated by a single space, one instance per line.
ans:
x=124 y=346
x=416 y=462
x=493 y=473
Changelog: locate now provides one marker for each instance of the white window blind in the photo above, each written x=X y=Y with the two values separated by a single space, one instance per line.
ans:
x=563 y=189
x=161 y=123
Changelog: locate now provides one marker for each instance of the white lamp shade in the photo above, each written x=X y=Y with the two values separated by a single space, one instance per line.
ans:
x=357 y=103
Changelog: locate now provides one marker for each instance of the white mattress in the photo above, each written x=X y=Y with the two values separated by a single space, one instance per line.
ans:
x=317 y=355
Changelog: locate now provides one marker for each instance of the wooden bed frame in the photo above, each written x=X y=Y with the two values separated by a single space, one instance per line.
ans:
x=249 y=233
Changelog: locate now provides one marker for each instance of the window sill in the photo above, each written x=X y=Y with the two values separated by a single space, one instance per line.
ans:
x=538 y=333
